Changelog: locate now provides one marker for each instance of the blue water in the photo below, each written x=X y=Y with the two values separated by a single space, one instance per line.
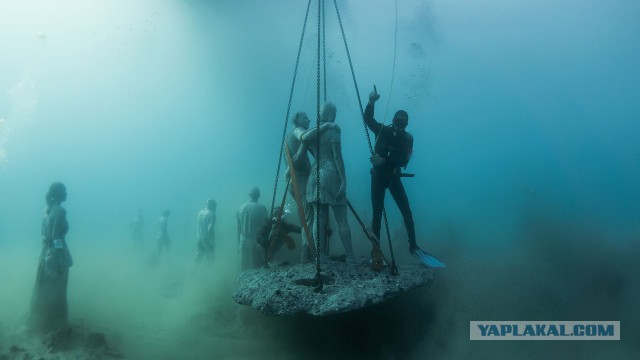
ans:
x=525 y=116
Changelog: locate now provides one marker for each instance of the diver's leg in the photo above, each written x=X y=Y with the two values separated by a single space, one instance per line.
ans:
x=400 y=196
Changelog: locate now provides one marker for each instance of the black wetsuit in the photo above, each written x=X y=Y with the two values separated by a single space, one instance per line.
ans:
x=395 y=147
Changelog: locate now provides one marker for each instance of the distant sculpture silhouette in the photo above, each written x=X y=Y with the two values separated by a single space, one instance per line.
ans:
x=49 y=309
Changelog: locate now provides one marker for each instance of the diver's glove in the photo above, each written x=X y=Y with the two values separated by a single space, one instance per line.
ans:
x=376 y=160
x=374 y=96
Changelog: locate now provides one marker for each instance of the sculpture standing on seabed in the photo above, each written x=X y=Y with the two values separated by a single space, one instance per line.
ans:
x=333 y=181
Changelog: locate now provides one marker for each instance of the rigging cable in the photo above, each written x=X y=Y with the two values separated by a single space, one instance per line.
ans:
x=393 y=269
x=286 y=118
x=324 y=53
x=393 y=71
x=317 y=214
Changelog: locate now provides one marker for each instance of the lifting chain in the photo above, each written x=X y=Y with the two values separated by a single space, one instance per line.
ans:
x=324 y=53
x=317 y=214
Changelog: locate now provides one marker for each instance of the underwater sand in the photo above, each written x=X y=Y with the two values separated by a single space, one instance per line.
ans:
x=169 y=309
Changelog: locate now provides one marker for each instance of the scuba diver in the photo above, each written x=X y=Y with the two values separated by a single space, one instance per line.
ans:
x=392 y=152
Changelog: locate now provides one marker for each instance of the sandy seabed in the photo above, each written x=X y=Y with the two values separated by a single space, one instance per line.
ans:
x=140 y=305
x=146 y=306
x=150 y=307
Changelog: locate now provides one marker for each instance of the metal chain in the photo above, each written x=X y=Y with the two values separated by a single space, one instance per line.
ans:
x=286 y=118
x=324 y=53
x=394 y=268
x=366 y=131
x=327 y=228
x=318 y=277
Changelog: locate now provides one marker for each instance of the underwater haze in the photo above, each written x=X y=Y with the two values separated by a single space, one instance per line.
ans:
x=525 y=117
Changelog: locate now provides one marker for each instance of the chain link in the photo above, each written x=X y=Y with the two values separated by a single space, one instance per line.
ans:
x=324 y=53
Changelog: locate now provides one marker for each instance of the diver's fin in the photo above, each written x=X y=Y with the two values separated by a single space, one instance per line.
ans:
x=427 y=259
